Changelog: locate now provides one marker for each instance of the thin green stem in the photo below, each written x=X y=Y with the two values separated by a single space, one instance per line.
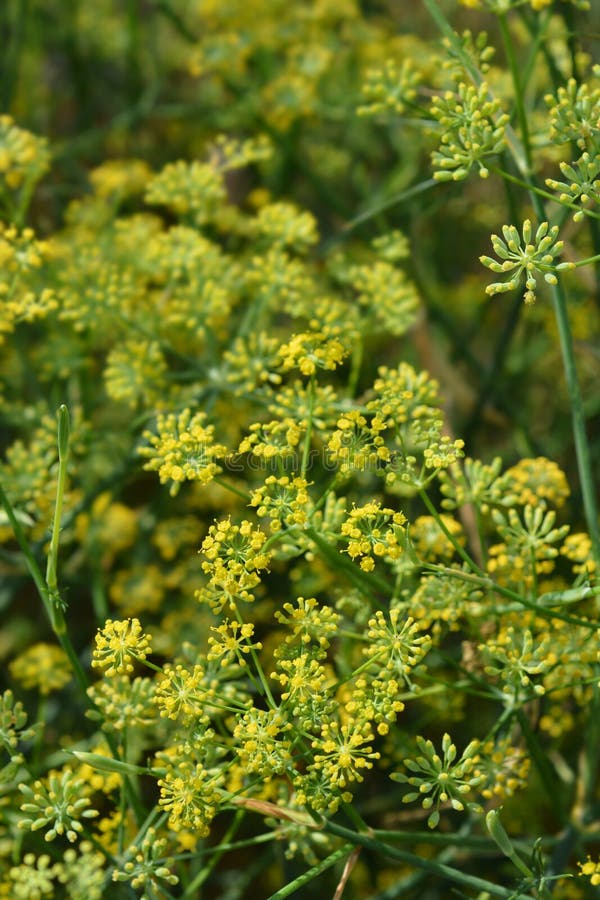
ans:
x=366 y=582
x=583 y=262
x=312 y=873
x=518 y=92
x=309 y=426
x=547 y=195
x=40 y=583
x=582 y=448
x=266 y=690
x=460 y=550
x=485 y=582
x=57 y=604
x=244 y=495
x=428 y=865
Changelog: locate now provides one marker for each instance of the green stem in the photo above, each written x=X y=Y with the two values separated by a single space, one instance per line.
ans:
x=266 y=690
x=312 y=873
x=440 y=522
x=57 y=604
x=518 y=92
x=244 y=495
x=583 y=262
x=582 y=449
x=547 y=195
x=309 y=425
x=366 y=582
x=447 y=872
x=485 y=582
x=38 y=580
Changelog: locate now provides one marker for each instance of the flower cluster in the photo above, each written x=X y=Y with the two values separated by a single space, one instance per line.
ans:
x=389 y=88
x=441 y=781
x=527 y=257
x=183 y=450
x=118 y=645
x=311 y=351
x=574 y=115
x=473 y=129
x=144 y=866
x=233 y=557
x=373 y=531
x=583 y=185
x=56 y=804
x=284 y=501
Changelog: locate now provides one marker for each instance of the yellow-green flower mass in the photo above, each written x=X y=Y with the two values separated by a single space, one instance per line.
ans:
x=305 y=599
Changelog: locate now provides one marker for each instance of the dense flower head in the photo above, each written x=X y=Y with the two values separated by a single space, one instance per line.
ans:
x=575 y=115
x=263 y=746
x=121 y=703
x=310 y=622
x=24 y=293
x=387 y=297
x=534 y=482
x=183 y=692
x=389 y=89
x=277 y=439
x=357 y=443
x=190 y=795
x=577 y=548
x=473 y=128
x=251 y=362
x=396 y=644
x=284 y=225
x=281 y=281
x=305 y=686
x=516 y=659
x=442 y=780
x=527 y=257
x=477 y=49
x=118 y=645
x=285 y=501
x=583 y=185
x=193 y=190
x=34 y=877
x=343 y=753
x=57 y=803
x=372 y=532
x=233 y=557
x=120 y=178
x=230 y=641
x=183 y=450
x=310 y=351
x=145 y=866
x=135 y=372
x=473 y=482
x=430 y=541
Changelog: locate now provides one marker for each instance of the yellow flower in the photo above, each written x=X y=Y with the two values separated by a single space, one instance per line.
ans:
x=118 y=645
